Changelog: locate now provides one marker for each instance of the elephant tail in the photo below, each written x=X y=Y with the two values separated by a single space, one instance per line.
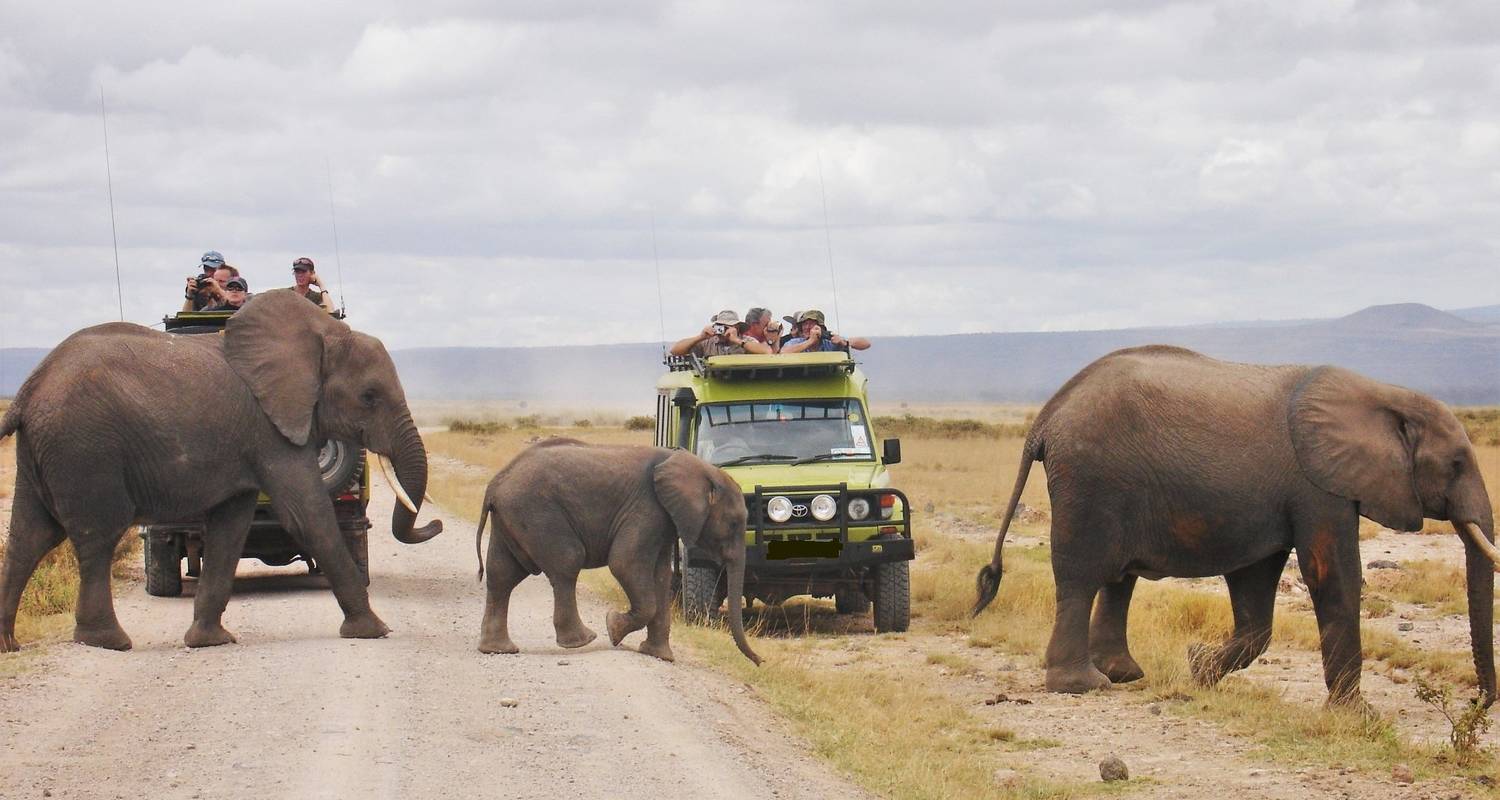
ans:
x=484 y=516
x=11 y=422
x=987 y=582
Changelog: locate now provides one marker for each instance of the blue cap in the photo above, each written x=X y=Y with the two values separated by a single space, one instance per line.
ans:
x=212 y=259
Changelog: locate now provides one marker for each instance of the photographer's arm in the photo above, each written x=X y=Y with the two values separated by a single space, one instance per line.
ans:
x=755 y=346
x=684 y=346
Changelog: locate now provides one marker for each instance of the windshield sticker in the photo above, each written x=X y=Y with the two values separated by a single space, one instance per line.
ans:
x=853 y=416
x=848 y=451
x=861 y=441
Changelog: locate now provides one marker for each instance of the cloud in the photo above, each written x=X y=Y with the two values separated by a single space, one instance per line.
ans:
x=496 y=169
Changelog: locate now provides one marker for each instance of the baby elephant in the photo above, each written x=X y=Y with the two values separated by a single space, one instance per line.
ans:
x=563 y=505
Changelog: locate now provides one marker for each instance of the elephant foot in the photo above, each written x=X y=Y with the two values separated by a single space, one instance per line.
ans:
x=205 y=635
x=498 y=644
x=367 y=626
x=577 y=637
x=1076 y=679
x=1119 y=667
x=9 y=644
x=619 y=626
x=1353 y=702
x=1204 y=664
x=109 y=638
x=662 y=651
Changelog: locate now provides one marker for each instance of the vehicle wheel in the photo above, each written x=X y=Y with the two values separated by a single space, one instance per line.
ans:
x=163 y=567
x=338 y=462
x=700 y=593
x=851 y=601
x=892 y=597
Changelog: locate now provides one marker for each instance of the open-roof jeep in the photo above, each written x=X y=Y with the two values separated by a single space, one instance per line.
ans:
x=795 y=432
x=345 y=475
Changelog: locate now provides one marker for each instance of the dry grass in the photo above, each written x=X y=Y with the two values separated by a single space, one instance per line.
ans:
x=848 y=714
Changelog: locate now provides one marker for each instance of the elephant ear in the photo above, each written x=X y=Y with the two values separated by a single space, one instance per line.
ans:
x=684 y=490
x=275 y=343
x=1353 y=440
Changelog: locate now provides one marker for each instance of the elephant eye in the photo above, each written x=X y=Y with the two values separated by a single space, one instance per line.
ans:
x=368 y=398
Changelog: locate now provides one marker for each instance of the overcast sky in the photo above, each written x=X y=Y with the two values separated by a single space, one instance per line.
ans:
x=496 y=167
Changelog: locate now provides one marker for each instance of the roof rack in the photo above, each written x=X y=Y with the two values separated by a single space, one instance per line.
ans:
x=764 y=367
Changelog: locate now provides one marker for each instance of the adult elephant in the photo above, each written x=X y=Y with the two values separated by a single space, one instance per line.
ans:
x=122 y=425
x=1163 y=462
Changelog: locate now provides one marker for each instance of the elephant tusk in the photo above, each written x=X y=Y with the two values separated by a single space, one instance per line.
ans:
x=1482 y=543
x=400 y=492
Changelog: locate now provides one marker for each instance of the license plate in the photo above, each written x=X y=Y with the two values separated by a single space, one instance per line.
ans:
x=777 y=551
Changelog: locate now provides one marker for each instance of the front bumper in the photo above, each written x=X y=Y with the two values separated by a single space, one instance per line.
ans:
x=831 y=556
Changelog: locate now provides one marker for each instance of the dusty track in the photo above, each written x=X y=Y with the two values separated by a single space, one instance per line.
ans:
x=294 y=711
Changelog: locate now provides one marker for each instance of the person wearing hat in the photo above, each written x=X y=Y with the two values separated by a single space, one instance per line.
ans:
x=308 y=285
x=720 y=337
x=236 y=294
x=758 y=322
x=813 y=336
x=198 y=293
x=207 y=289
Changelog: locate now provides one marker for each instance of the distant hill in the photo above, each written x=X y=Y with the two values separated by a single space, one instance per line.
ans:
x=1452 y=355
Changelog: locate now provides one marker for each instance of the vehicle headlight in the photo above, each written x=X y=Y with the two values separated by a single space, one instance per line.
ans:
x=859 y=508
x=823 y=508
x=779 y=509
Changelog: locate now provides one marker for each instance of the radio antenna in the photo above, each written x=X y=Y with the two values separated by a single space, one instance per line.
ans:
x=109 y=179
x=661 y=310
x=828 y=242
x=338 y=261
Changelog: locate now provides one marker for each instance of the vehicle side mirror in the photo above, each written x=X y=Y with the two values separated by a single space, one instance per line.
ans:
x=891 y=451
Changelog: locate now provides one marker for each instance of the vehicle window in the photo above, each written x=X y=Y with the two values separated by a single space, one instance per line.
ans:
x=783 y=431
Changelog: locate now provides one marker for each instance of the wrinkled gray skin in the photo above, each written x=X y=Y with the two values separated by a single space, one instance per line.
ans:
x=121 y=425
x=563 y=505
x=1163 y=462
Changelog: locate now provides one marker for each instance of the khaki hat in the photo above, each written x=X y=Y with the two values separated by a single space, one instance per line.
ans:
x=726 y=317
x=811 y=314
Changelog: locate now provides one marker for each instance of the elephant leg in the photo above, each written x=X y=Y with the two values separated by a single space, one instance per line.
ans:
x=502 y=574
x=304 y=509
x=33 y=534
x=1108 y=648
x=1252 y=595
x=1069 y=668
x=659 y=630
x=635 y=566
x=95 y=623
x=223 y=540
x=571 y=632
x=1329 y=560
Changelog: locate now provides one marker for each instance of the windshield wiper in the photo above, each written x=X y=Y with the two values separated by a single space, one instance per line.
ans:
x=759 y=457
x=820 y=457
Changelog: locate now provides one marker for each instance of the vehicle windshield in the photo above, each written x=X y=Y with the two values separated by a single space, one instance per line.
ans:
x=783 y=432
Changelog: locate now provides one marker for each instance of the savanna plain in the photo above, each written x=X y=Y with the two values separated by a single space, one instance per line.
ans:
x=955 y=706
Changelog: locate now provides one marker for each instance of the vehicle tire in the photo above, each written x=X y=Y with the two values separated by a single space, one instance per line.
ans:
x=851 y=601
x=163 y=567
x=700 y=596
x=338 y=462
x=892 y=597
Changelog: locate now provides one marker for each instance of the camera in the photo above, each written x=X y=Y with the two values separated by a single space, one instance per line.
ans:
x=201 y=281
x=721 y=329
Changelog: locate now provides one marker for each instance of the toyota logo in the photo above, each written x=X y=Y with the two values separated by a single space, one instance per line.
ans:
x=799 y=510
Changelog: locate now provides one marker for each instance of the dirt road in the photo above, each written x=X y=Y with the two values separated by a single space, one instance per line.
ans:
x=294 y=711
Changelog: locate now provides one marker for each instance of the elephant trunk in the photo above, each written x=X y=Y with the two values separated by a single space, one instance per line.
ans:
x=736 y=565
x=1480 y=572
x=409 y=458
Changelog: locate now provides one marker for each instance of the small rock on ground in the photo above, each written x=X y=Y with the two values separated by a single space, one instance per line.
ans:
x=1402 y=774
x=1113 y=769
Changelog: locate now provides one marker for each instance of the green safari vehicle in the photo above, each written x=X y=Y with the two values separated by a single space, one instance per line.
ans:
x=795 y=432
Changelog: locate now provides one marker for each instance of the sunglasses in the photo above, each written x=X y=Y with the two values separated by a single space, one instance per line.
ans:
x=234 y=288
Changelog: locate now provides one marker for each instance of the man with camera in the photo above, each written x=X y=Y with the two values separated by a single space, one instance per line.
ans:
x=236 y=293
x=207 y=289
x=720 y=337
x=813 y=336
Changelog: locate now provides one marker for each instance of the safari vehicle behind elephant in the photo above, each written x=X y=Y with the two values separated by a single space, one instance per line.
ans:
x=795 y=432
x=345 y=473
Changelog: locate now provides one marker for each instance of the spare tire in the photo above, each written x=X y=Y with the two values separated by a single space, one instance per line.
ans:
x=338 y=463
